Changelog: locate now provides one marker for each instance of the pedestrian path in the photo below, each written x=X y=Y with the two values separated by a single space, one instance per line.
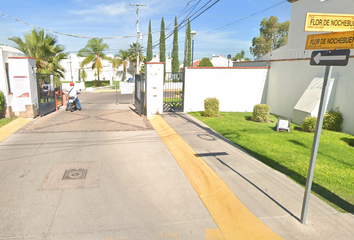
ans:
x=234 y=220
x=7 y=130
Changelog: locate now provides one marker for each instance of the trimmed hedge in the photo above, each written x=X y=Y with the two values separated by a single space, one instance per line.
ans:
x=333 y=120
x=309 y=124
x=261 y=113
x=211 y=107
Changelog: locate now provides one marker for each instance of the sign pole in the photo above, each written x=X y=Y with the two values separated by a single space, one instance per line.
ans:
x=315 y=144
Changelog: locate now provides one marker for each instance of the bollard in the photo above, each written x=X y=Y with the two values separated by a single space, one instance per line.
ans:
x=56 y=101
x=63 y=99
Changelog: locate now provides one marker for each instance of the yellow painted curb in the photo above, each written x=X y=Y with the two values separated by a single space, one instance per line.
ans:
x=7 y=130
x=234 y=220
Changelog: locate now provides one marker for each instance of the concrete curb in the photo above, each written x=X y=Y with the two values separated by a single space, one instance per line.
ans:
x=234 y=220
x=7 y=130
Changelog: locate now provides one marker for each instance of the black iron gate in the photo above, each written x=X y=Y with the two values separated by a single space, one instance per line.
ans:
x=46 y=96
x=173 y=92
x=140 y=94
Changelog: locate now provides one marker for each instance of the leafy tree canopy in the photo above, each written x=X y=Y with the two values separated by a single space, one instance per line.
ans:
x=205 y=63
x=241 y=56
x=272 y=36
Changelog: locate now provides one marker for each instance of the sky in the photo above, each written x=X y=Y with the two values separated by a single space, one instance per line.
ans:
x=227 y=27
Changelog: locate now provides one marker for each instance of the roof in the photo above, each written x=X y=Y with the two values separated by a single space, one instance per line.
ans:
x=195 y=63
x=10 y=49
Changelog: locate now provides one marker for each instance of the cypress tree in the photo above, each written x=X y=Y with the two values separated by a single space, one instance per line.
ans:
x=175 y=61
x=149 y=45
x=189 y=44
x=162 y=42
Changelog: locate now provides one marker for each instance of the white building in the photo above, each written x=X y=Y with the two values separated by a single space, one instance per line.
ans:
x=221 y=61
x=18 y=83
x=72 y=69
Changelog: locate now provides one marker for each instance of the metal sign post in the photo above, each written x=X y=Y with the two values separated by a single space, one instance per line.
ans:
x=315 y=144
x=344 y=39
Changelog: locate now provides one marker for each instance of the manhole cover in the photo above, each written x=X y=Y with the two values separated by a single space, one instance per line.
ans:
x=74 y=174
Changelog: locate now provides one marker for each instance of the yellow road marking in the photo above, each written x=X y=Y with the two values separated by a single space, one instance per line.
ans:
x=234 y=220
x=7 y=130
x=213 y=234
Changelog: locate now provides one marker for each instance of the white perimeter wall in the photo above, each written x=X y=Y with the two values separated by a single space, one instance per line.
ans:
x=237 y=89
x=288 y=80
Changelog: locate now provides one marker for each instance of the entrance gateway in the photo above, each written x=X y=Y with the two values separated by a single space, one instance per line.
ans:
x=156 y=92
x=46 y=96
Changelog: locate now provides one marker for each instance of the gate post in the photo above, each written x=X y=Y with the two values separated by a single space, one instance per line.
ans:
x=154 y=74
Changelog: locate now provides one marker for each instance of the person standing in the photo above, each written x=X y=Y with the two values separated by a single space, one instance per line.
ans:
x=45 y=91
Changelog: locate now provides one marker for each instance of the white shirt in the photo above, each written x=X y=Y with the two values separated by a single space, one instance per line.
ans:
x=73 y=92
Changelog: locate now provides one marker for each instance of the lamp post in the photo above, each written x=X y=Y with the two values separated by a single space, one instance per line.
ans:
x=193 y=33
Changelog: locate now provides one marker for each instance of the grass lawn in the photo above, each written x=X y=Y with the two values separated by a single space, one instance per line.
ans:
x=290 y=154
x=4 y=121
x=166 y=100
x=95 y=83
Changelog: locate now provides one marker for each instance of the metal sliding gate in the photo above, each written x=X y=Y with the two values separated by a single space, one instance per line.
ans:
x=46 y=96
x=125 y=92
x=139 y=96
x=173 y=92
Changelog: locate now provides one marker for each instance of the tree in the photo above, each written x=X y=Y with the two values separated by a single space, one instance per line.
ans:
x=132 y=54
x=149 y=52
x=272 y=36
x=175 y=61
x=83 y=74
x=241 y=57
x=162 y=46
x=94 y=53
x=45 y=49
x=205 y=63
x=189 y=44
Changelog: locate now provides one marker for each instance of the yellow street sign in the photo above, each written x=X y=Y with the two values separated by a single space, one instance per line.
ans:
x=328 y=22
x=337 y=40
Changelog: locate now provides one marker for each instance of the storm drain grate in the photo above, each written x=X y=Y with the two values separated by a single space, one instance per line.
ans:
x=75 y=174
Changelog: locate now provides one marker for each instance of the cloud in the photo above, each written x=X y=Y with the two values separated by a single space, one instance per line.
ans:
x=104 y=10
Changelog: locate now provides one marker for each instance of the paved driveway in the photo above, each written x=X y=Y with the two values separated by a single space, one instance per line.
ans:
x=99 y=173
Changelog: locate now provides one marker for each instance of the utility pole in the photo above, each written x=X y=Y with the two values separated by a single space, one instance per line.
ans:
x=137 y=34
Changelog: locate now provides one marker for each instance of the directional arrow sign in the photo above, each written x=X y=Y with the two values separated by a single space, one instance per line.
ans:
x=330 y=58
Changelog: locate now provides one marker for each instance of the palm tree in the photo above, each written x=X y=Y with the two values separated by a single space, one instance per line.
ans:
x=93 y=53
x=132 y=54
x=45 y=49
x=123 y=59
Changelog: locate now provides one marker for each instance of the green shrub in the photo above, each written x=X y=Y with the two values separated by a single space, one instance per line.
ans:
x=261 y=113
x=309 y=124
x=205 y=63
x=211 y=107
x=2 y=104
x=333 y=120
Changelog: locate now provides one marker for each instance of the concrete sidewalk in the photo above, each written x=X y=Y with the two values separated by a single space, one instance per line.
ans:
x=105 y=173
x=268 y=194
